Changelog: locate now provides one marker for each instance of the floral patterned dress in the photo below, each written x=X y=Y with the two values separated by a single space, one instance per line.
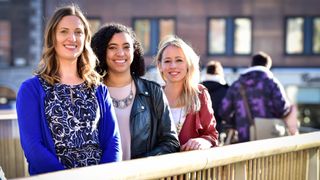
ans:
x=73 y=115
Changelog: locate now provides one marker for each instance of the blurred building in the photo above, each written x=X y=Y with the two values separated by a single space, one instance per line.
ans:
x=229 y=31
x=20 y=45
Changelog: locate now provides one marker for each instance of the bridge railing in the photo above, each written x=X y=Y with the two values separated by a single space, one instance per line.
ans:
x=12 y=159
x=293 y=157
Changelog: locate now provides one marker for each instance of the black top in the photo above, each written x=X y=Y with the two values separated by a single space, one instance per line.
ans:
x=217 y=91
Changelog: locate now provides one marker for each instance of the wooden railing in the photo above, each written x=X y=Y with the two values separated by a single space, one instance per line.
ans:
x=286 y=158
x=12 y=159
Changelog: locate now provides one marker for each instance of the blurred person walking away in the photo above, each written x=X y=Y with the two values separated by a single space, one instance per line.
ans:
x=217 y=87
x=189 y=101
x=264 y=97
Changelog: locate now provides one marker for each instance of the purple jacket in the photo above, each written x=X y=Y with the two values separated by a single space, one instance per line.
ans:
x=266 y=98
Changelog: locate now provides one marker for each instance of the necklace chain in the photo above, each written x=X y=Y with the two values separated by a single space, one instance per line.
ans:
x=125 y=102
x=179 y=125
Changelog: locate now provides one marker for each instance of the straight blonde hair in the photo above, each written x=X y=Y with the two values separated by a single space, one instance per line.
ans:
x=189 y=96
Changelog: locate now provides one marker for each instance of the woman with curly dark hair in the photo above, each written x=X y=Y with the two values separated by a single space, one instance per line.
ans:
x=143 y=114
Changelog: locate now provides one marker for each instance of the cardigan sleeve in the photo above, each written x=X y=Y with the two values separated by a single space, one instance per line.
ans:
x=207 y=119
x=109 y=134
x=32 y=127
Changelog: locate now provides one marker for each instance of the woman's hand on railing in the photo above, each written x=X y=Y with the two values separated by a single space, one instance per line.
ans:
x=196 y=144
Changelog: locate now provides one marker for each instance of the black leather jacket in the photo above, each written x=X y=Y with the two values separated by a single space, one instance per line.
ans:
x=151 y=126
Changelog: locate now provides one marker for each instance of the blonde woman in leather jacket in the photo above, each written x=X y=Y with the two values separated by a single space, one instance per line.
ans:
x=145 y=123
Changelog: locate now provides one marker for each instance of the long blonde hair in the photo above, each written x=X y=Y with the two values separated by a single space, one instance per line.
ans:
x=189 y=96
x=48 y=67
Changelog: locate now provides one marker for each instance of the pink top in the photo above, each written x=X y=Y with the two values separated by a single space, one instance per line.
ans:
x=123 y=117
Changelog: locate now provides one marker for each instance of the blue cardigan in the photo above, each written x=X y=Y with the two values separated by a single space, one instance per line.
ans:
x=35 y=135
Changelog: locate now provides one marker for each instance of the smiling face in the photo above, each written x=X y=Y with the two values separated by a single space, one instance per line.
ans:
x=70 y=38
x=120 y=53
x=173 y=65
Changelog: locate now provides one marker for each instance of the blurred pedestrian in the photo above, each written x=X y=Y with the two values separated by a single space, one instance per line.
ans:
x=217 y=87
x=265 y=97
x=189 y=101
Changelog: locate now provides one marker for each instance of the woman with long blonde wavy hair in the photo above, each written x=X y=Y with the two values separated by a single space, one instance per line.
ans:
x=189 y=101
x=65 y=115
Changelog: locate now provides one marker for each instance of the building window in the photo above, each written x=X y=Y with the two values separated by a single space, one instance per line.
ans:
x=150 y=31
x=217 y=36
x=294 y=36
x=143 y=31
x=302 y=35
x=242 y=36
x=5 y=43
x=7 y=98
x=230 y=36
x=316 y=36
x=95 y=24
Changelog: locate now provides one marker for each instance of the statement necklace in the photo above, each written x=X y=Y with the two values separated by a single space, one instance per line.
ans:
x=125 y=102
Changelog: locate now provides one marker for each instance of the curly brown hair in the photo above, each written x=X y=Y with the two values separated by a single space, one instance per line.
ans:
x=100 y=41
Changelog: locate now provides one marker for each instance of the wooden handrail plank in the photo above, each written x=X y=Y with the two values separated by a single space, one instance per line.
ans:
x=277 y=168
x=267 y=168
x=184 y=162
x=314 y=166
x=263 y=168
x=8 y=115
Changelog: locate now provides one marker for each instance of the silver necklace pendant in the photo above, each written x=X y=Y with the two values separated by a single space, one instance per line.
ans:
x=123 y=103
x=179 y=127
